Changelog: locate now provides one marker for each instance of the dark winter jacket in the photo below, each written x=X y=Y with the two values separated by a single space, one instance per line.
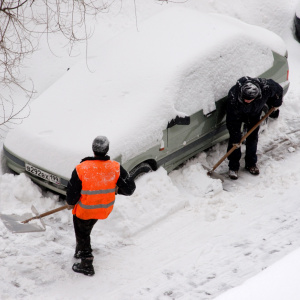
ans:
x=126 y=185
x=239 y=111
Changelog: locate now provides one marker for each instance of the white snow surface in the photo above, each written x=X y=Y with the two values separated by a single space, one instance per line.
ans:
x=180 y=236
x=298 y=9
x=139 y=82
x=283 y=275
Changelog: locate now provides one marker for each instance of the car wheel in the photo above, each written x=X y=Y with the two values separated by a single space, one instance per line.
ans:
x=140 y=170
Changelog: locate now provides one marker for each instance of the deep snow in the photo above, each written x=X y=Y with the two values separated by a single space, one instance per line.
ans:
x=180 y=236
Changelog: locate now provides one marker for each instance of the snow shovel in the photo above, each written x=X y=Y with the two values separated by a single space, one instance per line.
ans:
x=211 y=171
x=15 y=224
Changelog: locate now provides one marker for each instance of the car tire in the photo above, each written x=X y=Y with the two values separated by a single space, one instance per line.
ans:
x=140 y=170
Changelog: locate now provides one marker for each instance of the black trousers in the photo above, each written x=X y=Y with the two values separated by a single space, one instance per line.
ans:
x=83 y=229
x=251 y=148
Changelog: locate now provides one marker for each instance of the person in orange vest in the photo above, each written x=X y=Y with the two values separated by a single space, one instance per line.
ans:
x=92 y=190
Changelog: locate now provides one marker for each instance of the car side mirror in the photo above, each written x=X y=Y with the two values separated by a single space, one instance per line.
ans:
x=179 y=121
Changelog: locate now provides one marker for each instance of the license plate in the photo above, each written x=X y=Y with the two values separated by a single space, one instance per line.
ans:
x=42 y=174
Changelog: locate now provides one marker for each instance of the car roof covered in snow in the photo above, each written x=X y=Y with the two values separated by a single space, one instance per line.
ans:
x=175 y=63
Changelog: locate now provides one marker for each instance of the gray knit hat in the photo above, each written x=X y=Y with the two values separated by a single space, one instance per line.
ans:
x=100 y=145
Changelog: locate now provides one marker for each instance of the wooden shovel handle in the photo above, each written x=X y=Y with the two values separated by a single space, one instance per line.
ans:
x=50 y=212
x=241 y=141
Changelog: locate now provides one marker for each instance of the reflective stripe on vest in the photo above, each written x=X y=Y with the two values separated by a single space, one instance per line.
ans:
x=95 y=206
x=98 y=192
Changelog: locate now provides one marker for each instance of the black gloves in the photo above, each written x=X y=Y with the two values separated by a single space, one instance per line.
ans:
x=274 y=114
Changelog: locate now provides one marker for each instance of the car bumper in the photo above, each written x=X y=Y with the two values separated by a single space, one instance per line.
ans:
x=285 y=85
x=18 y=165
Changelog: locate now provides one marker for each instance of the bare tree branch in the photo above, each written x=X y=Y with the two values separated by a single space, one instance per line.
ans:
x=22 y=23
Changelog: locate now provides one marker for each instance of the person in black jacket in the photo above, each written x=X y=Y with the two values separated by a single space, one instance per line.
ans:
x=246 y=100
x=90 y=172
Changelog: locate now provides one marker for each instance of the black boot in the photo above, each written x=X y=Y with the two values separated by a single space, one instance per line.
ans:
x=82 y=254
x=77 y=254
x=85 y=267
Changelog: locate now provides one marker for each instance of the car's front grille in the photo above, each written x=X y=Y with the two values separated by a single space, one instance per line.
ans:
x=21 y=163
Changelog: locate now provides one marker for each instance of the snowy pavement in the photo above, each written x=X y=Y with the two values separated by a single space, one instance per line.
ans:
x=198 y=244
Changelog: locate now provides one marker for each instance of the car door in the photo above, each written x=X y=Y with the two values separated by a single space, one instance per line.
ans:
x=221 y=132
x=184 y=141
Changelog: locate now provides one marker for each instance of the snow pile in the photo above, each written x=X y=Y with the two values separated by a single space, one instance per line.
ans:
x=194 y=178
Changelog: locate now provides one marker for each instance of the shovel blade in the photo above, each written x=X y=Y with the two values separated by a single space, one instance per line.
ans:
x=34 y=210
x=213 y=174
x=13 y=224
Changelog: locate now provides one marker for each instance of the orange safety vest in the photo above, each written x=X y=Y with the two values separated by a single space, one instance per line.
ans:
x=99 y=180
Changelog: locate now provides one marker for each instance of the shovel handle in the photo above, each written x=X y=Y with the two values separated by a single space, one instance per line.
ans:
x=241 y=141
x=50 y=212
x=223 y=158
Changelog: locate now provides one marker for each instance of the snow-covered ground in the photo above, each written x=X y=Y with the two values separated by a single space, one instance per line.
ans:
x=180 y=236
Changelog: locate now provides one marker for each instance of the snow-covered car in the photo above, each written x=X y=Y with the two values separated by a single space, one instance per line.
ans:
x=297 y=22
x=158 y=93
